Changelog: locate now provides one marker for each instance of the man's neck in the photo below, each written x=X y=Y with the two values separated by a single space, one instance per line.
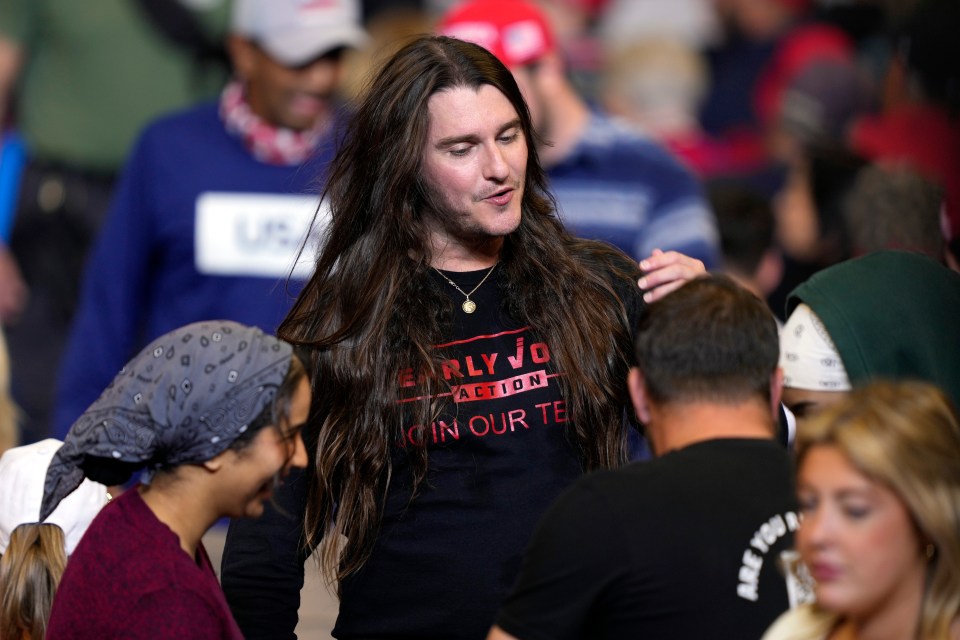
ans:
x=569 y=116
x=456 y=256
x=677 y=425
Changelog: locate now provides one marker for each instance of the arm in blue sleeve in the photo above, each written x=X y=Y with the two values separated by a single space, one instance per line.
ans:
x=681 y=218
x=106 y=330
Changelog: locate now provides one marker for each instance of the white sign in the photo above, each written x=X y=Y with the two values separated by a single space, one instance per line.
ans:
x=257 y=234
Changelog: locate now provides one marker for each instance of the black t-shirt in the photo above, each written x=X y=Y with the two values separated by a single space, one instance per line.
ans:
x=682 y=546
x=442 y=563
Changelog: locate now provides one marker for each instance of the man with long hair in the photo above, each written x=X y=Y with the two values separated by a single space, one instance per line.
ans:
x=470 y=359
x=611 y=181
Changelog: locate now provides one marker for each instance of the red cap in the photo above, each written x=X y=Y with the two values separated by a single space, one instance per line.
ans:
x=802 y=47
x=515 y=31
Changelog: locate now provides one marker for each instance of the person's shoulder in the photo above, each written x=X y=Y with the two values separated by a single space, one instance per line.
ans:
x=624 y=141
x=178 y=136
x=196 y=116
x=802 y=623
x=721 y=454
x=177 y=610
x=635 y=476
x=595 y=493
x=610 y=494
x=699 y=467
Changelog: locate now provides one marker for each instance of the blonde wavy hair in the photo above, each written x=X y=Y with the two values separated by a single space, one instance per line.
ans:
x=906 y=436
x=30 y=572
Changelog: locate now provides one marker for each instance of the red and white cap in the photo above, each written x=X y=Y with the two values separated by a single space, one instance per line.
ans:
x=515 y=31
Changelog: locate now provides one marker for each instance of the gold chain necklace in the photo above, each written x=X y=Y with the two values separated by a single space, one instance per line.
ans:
x=468 y=306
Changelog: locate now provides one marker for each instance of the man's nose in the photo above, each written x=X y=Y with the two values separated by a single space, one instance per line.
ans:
x=495 y=165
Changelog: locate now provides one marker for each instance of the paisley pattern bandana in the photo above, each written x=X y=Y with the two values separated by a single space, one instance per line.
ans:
x=808 y=357
x=184 y=399
x=268 y=143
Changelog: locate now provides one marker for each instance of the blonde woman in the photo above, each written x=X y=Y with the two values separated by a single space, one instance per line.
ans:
x=878 y=481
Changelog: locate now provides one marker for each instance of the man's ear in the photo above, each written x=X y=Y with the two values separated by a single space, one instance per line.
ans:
x=242 y=55
x=776 y=392
x=638 y=394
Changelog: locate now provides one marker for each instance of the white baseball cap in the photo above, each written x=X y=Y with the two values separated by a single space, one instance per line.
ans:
x=294 y=32
x=22 y=473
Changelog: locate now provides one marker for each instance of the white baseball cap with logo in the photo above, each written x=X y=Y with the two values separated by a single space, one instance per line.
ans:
x=22 y=474
x=294 y=32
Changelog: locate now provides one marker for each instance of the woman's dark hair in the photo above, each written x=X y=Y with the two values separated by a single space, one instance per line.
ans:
x=278 y=411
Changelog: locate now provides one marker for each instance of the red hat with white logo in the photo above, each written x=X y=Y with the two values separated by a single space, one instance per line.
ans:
x=515 y=31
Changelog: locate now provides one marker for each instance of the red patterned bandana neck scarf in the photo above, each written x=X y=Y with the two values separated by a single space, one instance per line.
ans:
x=267 y=143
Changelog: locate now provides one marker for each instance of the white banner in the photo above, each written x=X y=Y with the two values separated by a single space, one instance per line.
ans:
x=257 y=234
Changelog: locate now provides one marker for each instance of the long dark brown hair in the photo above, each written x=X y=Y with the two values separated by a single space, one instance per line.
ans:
x=369 y=311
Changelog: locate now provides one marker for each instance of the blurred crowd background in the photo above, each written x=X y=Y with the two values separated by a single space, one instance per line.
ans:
x=819 y=130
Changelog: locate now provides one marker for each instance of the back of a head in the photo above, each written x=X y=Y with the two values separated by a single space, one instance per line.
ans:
x=30 y=571
x=746 y=226
x=906 y=436
x=821 y=100
x=709 y=341
x=655 y=83
x=894 y=207
x=890 y=314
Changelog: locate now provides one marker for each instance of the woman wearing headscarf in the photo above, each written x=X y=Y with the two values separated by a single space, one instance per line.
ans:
x=213 y=412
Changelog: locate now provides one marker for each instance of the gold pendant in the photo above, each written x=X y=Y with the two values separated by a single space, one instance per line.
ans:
x=469 y=306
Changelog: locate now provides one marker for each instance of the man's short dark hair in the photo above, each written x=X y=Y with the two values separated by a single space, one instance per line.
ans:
x=710 y=340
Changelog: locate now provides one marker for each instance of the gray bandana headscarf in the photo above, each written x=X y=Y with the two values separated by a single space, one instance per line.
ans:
x=183 y=399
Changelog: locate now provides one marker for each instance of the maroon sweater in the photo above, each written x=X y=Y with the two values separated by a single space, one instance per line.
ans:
x=129 y=578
